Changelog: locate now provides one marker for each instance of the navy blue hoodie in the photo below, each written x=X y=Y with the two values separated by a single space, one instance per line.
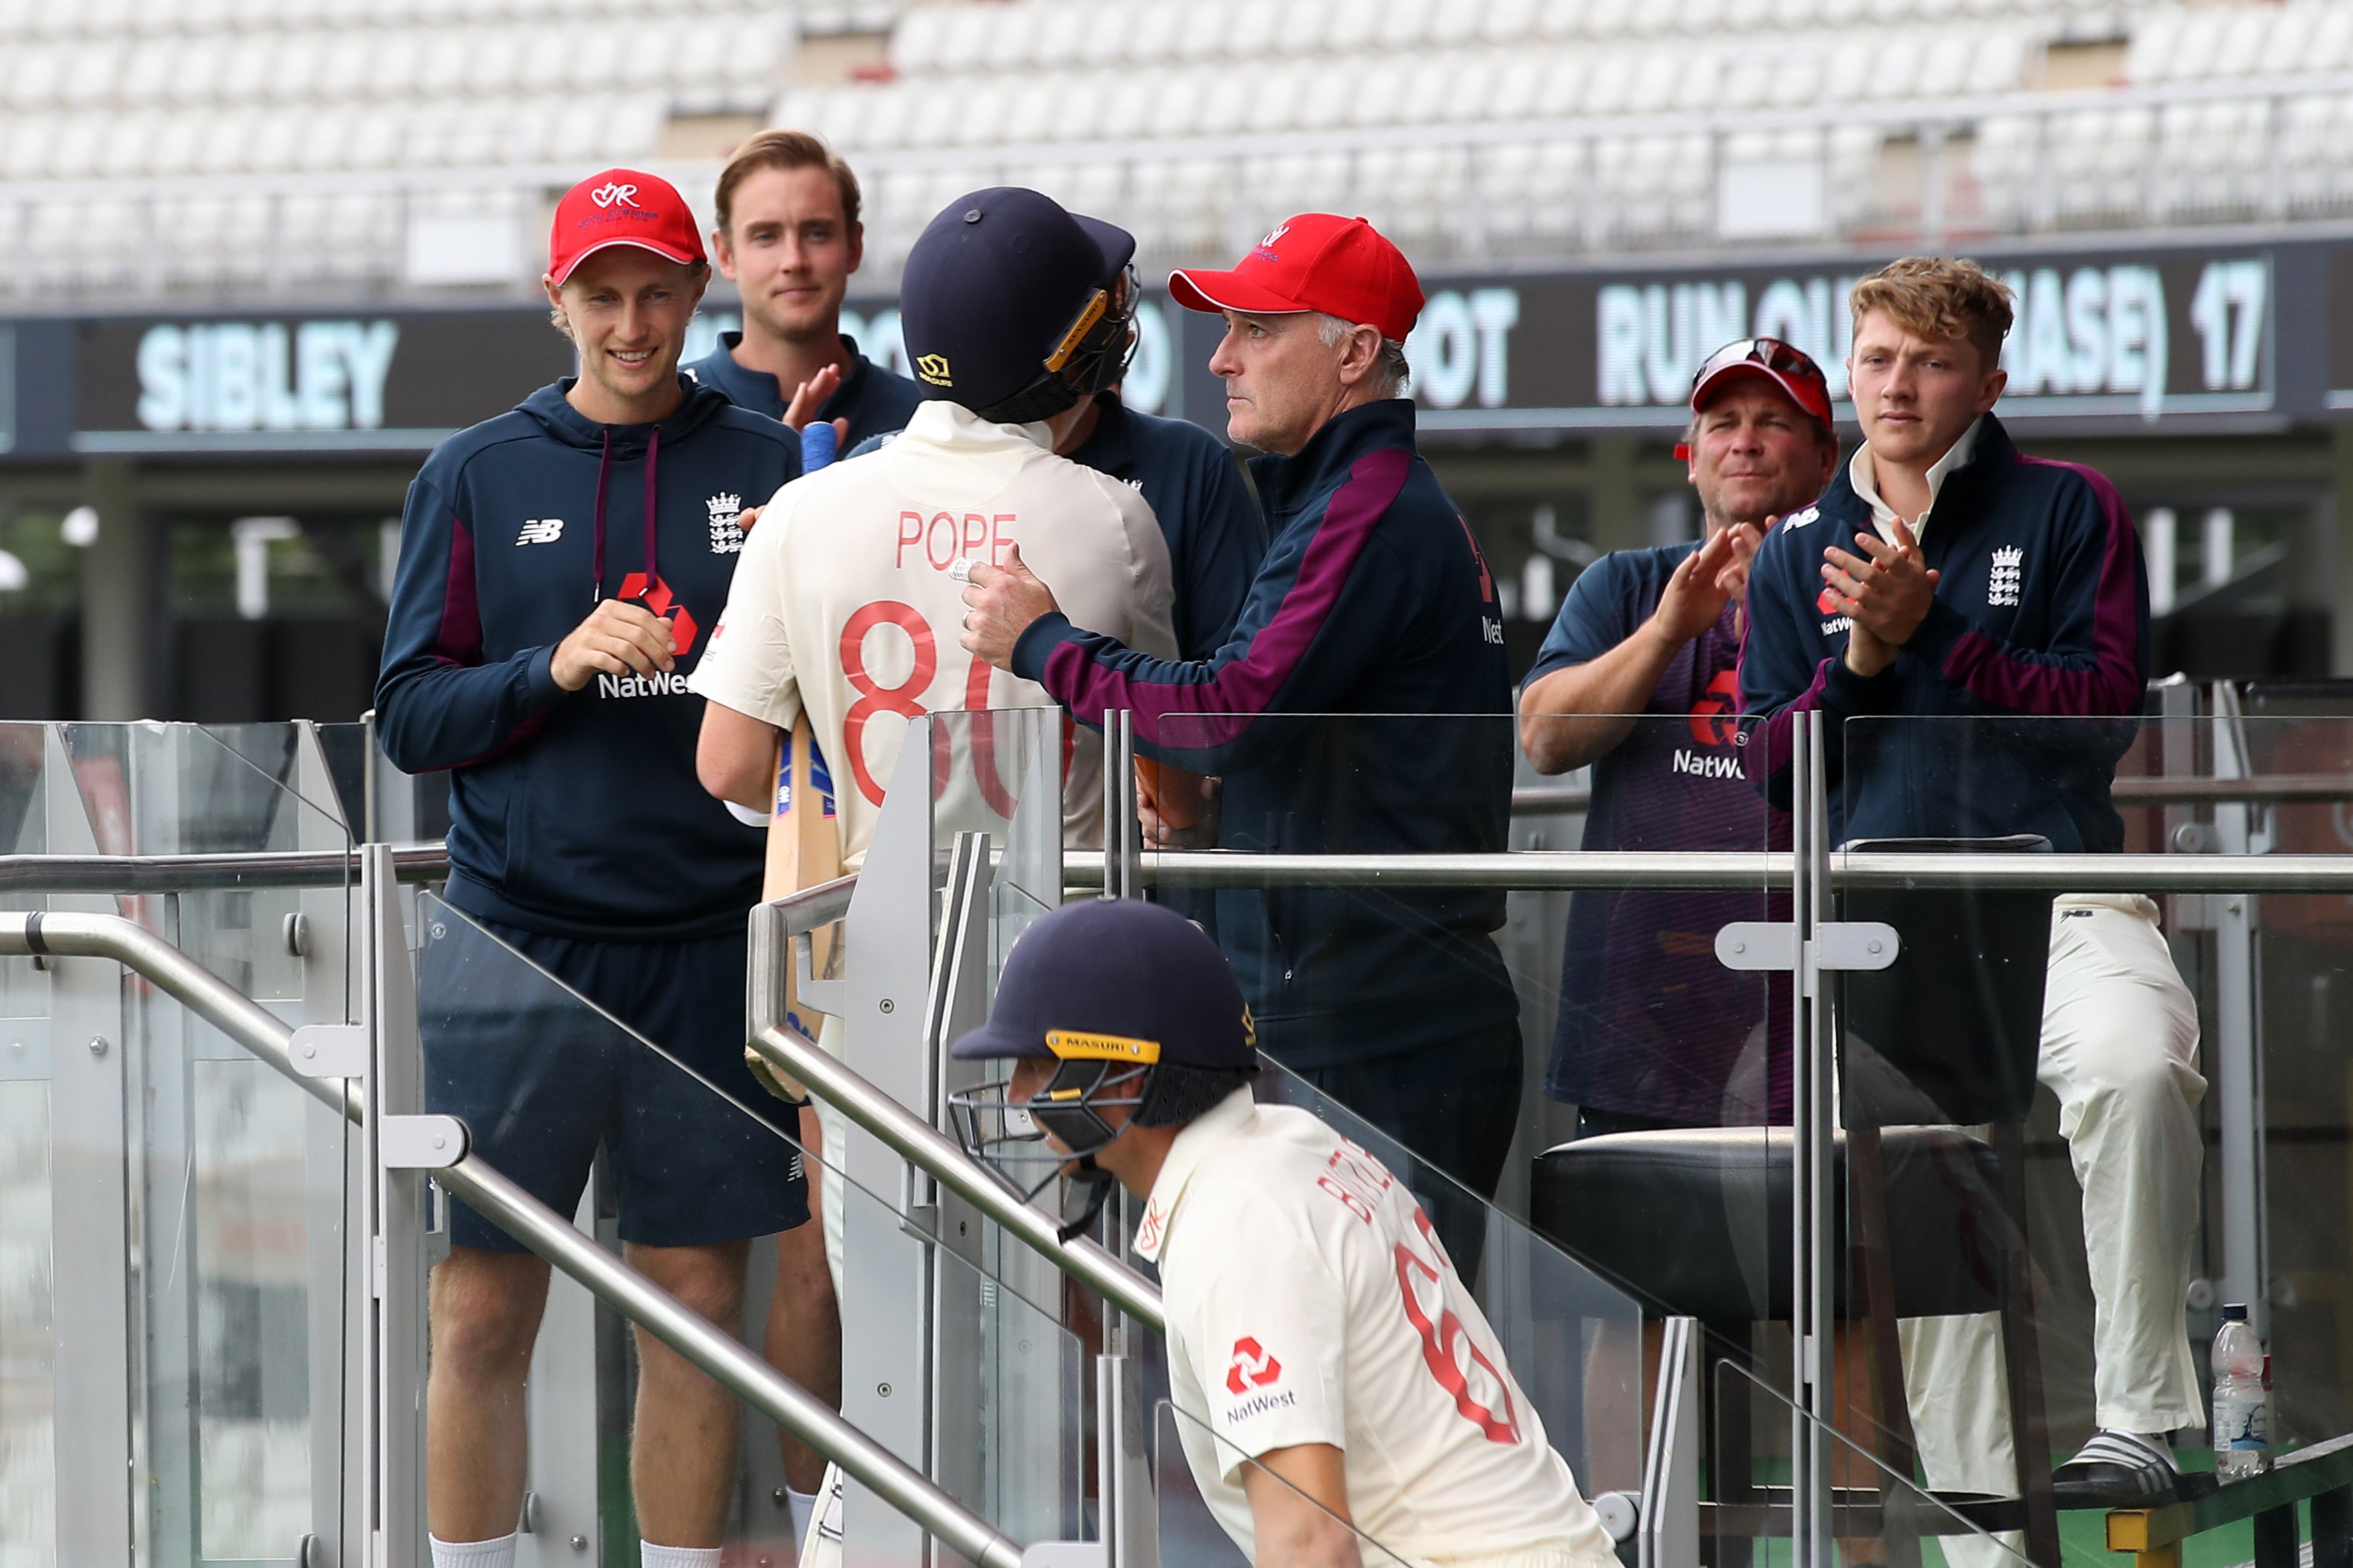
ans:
x=2040 y=616
x=576 y=813
x=1374 y=610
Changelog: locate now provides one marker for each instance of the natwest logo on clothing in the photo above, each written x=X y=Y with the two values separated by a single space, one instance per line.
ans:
x=1251 y=1367
x=656 y=596
x=1712 y=717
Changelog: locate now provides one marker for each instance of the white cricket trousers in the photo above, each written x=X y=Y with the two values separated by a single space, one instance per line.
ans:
x=2120 y=1050
x=834 y=1128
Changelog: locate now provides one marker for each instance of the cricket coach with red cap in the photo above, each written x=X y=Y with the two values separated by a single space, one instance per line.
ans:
x=1373 y=603
x=561 y=567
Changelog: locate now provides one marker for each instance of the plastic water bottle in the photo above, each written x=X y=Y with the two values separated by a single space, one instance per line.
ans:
x=2241 y=1395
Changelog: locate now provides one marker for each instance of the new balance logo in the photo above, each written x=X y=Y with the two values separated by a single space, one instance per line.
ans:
x=2003 y=581
x=540 y=530
x=613 y=191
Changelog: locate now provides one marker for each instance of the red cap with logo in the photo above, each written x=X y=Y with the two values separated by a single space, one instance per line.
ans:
x=1761 y=359
x=1340 y=266
x=621 y=206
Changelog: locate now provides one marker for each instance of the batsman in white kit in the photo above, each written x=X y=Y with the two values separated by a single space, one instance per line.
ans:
x=1341 y=1399
x=848 y=597
x=847 y=600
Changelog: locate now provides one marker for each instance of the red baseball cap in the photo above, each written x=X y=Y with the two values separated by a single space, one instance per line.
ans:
x=1787 y=366
x=1340 y=266
x=621 y=206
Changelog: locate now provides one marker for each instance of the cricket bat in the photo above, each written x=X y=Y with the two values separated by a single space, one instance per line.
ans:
x=804 y=850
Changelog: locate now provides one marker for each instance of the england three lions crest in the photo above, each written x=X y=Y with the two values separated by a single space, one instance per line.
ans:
x=726 y=533
x=2002 y=580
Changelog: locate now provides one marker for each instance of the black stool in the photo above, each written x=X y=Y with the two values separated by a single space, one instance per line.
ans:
x=1695 y=1222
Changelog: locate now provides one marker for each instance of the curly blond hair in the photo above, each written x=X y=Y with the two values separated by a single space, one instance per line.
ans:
x=1938 y=297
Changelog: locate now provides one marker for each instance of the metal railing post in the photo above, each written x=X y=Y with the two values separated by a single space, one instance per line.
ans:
x=1813 y=1069
x=394 y=1302
x=2238 y=1055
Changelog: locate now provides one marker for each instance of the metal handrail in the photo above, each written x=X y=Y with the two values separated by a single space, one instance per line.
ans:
x=207 y=873
x=2276 y=789
x=1740 y=870
x=928 y=1149
x=546 y=1232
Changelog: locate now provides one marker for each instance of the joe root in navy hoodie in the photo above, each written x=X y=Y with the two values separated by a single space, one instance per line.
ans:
x=561 y=567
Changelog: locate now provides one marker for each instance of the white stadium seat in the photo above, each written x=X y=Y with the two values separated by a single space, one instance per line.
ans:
x=393 y=67
x=964 y=38
x=1517 y=91
x=915 y=41
x=1011 y=43
x=2243 y=38
x=1509 y=22
x=1301 y=29
x=2331 y=47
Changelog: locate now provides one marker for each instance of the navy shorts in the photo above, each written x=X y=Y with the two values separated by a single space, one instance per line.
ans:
x=540 y=1079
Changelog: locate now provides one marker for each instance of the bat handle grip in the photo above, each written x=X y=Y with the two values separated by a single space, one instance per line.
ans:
x=820 y=443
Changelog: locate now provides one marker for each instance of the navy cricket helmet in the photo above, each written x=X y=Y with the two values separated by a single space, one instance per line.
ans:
x=1016 y=307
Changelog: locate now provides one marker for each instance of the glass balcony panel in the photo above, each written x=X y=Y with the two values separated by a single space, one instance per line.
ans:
x=993 y=1411
x=2185 y=1043
x=178 y=1214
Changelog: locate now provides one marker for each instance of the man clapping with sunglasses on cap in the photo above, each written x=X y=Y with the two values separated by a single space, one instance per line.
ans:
x=1653 y=1032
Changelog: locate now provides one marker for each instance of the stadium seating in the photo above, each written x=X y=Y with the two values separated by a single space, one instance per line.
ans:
x=282 y=143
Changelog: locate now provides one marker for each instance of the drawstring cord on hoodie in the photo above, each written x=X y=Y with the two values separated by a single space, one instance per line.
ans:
x=603 y=472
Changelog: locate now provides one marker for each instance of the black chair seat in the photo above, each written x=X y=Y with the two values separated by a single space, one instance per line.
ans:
x=1695 y=1222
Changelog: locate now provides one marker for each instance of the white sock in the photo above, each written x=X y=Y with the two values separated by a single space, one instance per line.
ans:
x=652 y=1556
x=802 y=1504
x=499 y=1553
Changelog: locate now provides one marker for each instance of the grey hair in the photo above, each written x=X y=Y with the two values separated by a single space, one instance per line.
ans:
x=1390 y=371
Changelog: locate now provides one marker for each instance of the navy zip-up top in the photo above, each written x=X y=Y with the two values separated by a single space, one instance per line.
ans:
x=1215 y=537
x=1372 y=611
x=576 y=813
x=2041 y=613
x=872 y=399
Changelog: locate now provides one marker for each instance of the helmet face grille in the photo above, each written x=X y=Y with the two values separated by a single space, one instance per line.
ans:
x=1092 y=356
x=1010 y=1135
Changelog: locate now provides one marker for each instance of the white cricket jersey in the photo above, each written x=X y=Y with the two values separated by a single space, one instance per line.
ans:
x=1309 y=1301
x=843 y=600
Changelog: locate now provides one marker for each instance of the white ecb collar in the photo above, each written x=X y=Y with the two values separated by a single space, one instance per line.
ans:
x=1863 y=474
x=952 y=426
x=1205 y=1135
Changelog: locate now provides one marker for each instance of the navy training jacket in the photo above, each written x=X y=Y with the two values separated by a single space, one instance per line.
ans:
x=1216 y=539
x=2041 y=613
x=872 y=399
x=575 y=814
x=1374 y=611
